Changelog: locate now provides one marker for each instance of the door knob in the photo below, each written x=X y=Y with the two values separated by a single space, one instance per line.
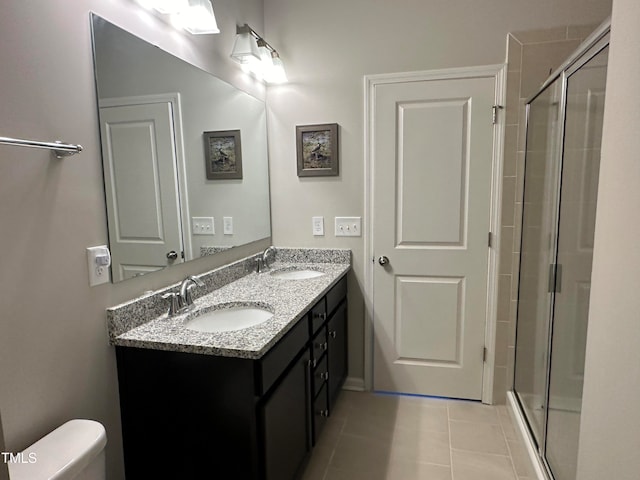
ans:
x=172 y=255
x=383 y=260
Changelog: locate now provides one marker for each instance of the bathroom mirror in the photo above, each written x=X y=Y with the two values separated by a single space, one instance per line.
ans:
x=159 y=118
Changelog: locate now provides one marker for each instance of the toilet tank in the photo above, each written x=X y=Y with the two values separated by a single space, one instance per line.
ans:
x=74 y=450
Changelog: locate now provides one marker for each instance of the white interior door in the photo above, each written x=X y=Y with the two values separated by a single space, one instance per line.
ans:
x=138 y=142
x=432 y=151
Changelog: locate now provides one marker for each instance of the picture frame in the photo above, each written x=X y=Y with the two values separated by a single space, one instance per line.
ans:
x=317 y=150
x=223 y=154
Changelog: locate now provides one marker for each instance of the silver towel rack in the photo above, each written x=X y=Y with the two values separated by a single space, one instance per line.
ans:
x=61 y=149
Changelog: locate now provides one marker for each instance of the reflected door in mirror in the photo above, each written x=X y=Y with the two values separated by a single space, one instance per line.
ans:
x=138 y=143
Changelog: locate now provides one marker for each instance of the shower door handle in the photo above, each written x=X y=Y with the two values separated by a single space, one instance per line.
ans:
x=555 y=278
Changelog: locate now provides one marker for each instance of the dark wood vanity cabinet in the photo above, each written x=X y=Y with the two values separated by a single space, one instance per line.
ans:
x=285 y=422
x=337 y=337
x=186 y=415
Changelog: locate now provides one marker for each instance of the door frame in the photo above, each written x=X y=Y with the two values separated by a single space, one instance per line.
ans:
x=498 y=73
x=174 y=99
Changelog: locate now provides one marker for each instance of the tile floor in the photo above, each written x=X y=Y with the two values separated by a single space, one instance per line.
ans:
x=383 y=437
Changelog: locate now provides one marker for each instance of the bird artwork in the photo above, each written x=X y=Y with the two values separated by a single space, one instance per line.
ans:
x=317 y=149
x=223 y=154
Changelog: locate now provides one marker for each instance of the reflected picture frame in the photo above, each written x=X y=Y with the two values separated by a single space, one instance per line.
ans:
x=317 y=150
x=223 y=154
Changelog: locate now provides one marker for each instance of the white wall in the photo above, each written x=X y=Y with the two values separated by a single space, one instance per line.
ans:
x=328 y=47
x=55 y=363
x=4 y=471
x=610 y=428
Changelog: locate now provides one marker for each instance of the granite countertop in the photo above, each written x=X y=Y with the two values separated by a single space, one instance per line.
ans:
x=289 y=300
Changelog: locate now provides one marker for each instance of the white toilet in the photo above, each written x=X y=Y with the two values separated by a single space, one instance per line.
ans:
x=74 y=450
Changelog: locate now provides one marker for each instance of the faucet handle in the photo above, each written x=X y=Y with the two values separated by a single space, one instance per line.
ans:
x=173 y=302
x=188 y=298
x=259 y=265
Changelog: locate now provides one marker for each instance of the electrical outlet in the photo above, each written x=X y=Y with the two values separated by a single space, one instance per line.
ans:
x=98 y=262
x=348 y=226
x=202 y=226
x=317 y=226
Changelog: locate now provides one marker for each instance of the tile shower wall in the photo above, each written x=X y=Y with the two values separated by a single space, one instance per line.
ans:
x=531 y=57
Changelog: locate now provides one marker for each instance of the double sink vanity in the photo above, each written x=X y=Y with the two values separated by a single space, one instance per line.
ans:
x=240 y=384
x=230 y=374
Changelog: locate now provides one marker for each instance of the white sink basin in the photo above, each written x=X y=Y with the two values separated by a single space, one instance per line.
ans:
x=288 y=274
x=228 y=319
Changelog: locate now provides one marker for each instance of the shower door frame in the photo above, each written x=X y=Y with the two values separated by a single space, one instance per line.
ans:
x=591 y=47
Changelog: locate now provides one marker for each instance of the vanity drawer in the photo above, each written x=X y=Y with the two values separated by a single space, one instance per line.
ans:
x=319 y=346
x=320 y=412
x=336 y=294
x=275 y=362
x=318 y=315
x=320 y=375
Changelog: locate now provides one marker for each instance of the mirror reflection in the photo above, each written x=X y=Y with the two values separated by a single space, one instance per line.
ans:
x=184 y=156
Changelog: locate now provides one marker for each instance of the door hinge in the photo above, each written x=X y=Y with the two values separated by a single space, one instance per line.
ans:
x=484 y=354
x=182 y=254
x=490 y=240
x=494 y=113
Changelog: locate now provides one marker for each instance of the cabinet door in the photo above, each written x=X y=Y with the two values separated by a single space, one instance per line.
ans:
x=286 y=422
x=337 y=352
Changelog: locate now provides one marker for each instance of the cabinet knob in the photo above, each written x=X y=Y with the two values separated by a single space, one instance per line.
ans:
x=323 y=345
x=324 y=375
x=333 y=334
x=321 y=316
x=324 y=413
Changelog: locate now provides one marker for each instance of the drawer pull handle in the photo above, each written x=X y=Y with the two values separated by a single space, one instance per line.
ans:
x=322 y=316
x=323 y=345
x=324 y=413
x=324 y=375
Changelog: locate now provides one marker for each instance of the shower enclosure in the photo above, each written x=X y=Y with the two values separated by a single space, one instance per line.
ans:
x=564 y=130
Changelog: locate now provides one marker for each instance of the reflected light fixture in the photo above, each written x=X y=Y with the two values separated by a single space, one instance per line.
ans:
x=195 y=16
x=256 y=56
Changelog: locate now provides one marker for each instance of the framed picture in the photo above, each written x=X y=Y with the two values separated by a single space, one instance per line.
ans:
x=223 y=154
x=317 y=147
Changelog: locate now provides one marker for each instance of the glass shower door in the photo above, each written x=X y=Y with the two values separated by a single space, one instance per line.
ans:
x=579 y=190
x=537 y=253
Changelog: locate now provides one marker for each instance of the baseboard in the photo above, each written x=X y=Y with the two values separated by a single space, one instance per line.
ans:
x=354 y=384
x=529 y=444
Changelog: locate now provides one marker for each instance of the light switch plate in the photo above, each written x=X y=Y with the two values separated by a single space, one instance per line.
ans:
x=348 y=226
x=227 y=223
x=202 y=226
x=317 y=226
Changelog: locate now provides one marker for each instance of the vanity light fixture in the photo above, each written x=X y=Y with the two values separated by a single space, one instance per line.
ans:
x=256 y=56
x=276 y=74
x=195 y=16
x=168 y=7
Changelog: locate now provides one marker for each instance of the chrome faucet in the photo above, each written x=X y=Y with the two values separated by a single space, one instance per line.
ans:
x=265 y=256
x=185 y=300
